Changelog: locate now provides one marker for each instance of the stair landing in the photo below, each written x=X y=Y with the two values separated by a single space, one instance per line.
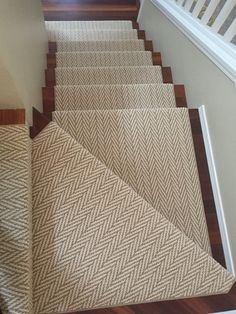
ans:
x=73 y=11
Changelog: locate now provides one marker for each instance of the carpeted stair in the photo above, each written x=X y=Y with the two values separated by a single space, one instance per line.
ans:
x=111 y=45
x=15 y=220
x=92 y=97
x=117 y=212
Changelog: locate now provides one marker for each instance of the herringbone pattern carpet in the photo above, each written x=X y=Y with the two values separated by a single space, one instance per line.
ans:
x=15 y=221
x=119 y=45
x=152 y=151
x=88 y=35
x=117 y=214
x=109 y=75
x=96 y=243
x=93 y=97
x=88 y=25
x=102 y=59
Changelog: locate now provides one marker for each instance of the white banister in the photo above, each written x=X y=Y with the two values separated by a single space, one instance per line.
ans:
x=224 y=13
x=219 y=48
x=213 y=15
x=209 y=11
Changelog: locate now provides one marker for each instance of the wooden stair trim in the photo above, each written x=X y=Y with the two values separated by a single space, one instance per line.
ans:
x=141 y=34
x=167 y=75
x=206 y=188
x=180 y=96
x=12 y=116
x=52 y=46
x=40 y=121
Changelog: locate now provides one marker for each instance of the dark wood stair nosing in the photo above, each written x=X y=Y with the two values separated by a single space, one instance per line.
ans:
x=40 y=121
x=12 y=116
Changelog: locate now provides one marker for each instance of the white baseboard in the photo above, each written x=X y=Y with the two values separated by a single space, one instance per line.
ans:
x=216 y=191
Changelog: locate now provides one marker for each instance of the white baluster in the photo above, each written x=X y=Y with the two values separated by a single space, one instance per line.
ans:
x=209 y=11
x=231 y=32
x=224 y=13
x=198 y=7
x=180 y=2
x=188 y=5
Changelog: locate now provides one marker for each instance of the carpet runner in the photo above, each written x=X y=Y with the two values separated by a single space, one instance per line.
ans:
x=117 y=215
x=119 y=45
x=15 y=220
x=99 y=59
x=108 y=75
x=89 y=25
x=92 y=97
x=71 y=35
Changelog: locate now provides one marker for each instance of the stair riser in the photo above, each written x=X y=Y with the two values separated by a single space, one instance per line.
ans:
x=12 y=116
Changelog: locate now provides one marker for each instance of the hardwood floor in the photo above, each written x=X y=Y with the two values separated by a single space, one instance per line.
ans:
x=72 y=11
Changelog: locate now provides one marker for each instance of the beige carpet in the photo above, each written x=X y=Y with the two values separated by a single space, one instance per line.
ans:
x=15 y=221
x=88 y=25
x=112 y=45
x=117 y=215
x=98 y=244
x=152 y=151
x=109 y=75
x=102 y=59
x=92 y=97
x=87 y=35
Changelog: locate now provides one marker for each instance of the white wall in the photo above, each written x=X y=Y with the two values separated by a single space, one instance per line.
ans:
x=205 y=85
x=23 y=47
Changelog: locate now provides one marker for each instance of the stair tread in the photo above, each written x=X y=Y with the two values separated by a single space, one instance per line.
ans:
x=102 y=34
x=105 y=227
x=112 y=45
x=92 y=25
x=108 y=75
x=114 y=96
x=98 y=59
x=141 y=146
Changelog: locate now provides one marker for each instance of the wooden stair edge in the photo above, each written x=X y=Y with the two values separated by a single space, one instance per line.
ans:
x=180 y=96
x=167 y=75
x=206 y=187
x=12 y=116
x=40 y=121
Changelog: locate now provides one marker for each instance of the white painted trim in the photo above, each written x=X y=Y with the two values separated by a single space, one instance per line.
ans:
x=212 y=45
x=216 y=191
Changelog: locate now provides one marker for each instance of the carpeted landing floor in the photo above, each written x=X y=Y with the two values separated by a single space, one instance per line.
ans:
x=115 y=214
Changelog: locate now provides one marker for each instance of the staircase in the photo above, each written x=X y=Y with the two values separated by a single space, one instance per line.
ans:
x=118 y=213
